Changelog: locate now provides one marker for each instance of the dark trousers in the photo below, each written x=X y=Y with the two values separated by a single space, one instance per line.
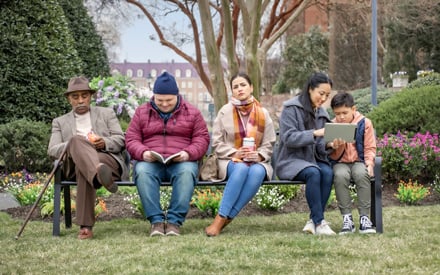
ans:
x=82 y=160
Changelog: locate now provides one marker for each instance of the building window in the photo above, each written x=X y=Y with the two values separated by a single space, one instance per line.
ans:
x=129 y=73
x=139 y=73
x=190 y=84
x=183 y=84
x=207 y=97
x=153 y=73
x=178 y=73
x=188 y=73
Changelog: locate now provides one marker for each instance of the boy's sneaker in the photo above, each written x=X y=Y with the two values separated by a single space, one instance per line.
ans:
x=366 y=226
x=324 y=229
x=157 y=229
x=309 y=228
x=347 y=225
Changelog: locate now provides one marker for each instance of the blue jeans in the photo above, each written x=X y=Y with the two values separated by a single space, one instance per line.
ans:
x=243 y=183
x=183 y=177
x=318 y=188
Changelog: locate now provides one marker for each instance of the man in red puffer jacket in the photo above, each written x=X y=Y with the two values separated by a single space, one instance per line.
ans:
x=166 y=126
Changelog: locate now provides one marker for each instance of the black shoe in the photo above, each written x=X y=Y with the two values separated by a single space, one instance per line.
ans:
x=347 y=225
x=366 y=226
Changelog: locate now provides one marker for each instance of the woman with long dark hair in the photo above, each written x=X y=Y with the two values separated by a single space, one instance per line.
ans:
x=303 y=154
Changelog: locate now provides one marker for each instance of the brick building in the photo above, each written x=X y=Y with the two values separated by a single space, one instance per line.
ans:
x=190 y=86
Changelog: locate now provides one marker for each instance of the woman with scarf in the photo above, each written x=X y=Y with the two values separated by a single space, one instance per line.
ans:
x=245 y=167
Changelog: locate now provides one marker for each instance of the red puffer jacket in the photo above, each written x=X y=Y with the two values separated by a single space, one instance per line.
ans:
x=185 y=130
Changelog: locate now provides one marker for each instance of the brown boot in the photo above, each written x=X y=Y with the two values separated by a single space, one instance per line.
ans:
x=216 y=226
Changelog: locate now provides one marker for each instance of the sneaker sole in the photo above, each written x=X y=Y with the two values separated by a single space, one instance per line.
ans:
x=367 y=231
x=156 y=233
x=346 y=232
x=326 y=234
x=172 y=233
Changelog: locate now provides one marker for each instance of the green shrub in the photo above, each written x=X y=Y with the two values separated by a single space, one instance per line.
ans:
x=410 y=110
x=23 y=144
x=431 y=79
x=362 y=98
x=87 y=42
x=37 y=57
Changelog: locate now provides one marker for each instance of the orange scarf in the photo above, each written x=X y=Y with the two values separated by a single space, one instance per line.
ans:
x=255 y=124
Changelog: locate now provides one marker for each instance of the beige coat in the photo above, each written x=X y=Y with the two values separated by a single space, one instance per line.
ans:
x=104 y=123
x=223 y=140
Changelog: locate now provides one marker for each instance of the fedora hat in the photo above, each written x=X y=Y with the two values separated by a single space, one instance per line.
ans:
x=79 y=83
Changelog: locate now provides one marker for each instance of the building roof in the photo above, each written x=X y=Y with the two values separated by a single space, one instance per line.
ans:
x=159 y=67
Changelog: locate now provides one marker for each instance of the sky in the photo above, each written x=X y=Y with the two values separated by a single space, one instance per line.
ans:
x=136 y=46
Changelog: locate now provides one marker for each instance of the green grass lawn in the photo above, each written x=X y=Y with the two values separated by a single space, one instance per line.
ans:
x=250 y=245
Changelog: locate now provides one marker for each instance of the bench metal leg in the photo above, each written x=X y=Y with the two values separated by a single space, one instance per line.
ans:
x=376 y=197
x=56 y=210
x=67 y=207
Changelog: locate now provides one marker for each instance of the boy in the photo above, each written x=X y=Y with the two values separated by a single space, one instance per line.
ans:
x=353 y=161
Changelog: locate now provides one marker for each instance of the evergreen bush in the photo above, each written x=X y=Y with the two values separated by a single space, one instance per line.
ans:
x=362 y=98
x=23 y=145
x=431 y=79
x=43 y=44
x=410 y=110
x=88 y=43
x=37 y=58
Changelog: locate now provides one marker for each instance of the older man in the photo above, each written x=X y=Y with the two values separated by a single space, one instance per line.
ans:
x=94 y=158
x=167 y=125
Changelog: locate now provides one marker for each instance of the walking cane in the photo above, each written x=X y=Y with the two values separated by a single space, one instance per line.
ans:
x=57 y=165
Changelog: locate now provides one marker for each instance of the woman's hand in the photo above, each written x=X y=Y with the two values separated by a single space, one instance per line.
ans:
x=252 y=156
x=319 y=132
x=247 y=154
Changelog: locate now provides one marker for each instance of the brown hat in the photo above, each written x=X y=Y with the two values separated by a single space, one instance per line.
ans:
x=79 y=83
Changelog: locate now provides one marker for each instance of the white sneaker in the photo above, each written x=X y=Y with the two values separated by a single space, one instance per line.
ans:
x=309 y=228
x=324 y=229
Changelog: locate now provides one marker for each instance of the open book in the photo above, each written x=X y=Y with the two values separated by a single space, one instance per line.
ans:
x=161 y=159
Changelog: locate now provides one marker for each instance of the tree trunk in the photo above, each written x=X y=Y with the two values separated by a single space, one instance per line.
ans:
x=212 y=53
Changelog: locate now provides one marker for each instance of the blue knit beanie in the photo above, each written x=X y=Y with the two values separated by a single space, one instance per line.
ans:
x=166 y=85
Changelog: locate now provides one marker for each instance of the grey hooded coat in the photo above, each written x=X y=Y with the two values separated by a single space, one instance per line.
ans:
x=298 y=148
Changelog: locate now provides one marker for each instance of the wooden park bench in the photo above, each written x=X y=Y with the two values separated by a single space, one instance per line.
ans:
x=64 y=185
